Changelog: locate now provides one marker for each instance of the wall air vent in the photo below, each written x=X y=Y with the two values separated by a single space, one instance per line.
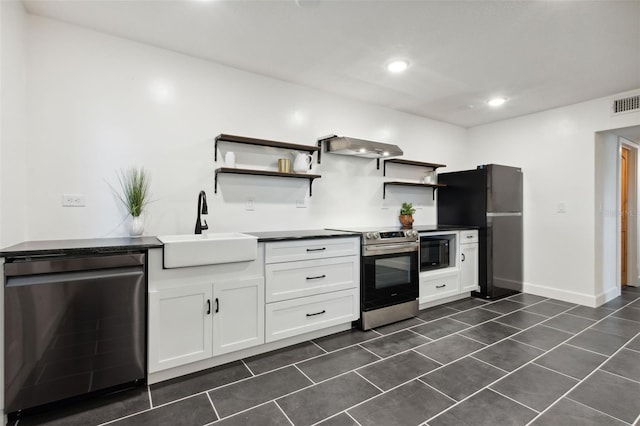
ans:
x=626 y=104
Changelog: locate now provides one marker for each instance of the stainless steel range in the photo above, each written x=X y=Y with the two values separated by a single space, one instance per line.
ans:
x=389 y=275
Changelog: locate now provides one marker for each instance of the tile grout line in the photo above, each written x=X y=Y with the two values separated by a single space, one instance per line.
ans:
x=357 y=422
x=435 y=389
x=212 y=405
x=512 y=372
x=532 y=346
x=369 y=381
x=303 y=373
x=247 y=367
x=490 y=365
x=371 y=352
x=617 y=375
x=588 y=350
x=554 y=371
x=321 y=348
x=285 y=414
x=426 y=356
x=595 y=369
x=594 y=409
x=514 y=400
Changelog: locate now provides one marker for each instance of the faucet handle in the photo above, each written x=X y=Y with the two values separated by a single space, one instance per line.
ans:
x=205 y=226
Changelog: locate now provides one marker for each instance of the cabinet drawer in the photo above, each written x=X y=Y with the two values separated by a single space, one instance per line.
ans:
x=298 y=316
x=287 y=251
x=289 y=280
x=439 y=287
x=469 y=236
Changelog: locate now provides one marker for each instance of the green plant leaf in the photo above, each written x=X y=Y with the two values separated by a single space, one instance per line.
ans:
x=134 y=184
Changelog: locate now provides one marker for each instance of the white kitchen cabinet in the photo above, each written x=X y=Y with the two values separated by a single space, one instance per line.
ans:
x=193 y=322
x=180 y=326
x=311 y=284
x=238 y=315
x=438 y=286
x=468 y=267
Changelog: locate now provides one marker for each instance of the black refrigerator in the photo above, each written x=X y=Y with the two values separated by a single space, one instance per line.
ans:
x=489 y=198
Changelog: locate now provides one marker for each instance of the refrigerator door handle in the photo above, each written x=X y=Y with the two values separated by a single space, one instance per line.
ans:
x=504 y=214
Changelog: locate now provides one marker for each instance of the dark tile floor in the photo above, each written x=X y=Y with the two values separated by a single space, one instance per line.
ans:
x=522 y=360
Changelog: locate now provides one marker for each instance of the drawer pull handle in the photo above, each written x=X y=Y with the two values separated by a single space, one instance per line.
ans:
x=469 y=236
x=441 y=286
x=463 y=258
x=317 y=278
x=318 y=249
x=317 y=313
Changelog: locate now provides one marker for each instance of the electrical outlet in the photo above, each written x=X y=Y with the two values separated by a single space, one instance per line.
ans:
x=73 y=200
x=562 y=208
x=250 y=206
x=301 y=204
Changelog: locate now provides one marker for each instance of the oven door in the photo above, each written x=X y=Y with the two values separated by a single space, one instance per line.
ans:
x=389 y=275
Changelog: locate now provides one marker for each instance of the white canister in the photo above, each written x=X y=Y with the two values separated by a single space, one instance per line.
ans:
x=429 y=177
x=230 y=159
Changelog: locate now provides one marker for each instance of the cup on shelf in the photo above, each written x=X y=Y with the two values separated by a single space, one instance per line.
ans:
x=284 y=165
x=230 y=159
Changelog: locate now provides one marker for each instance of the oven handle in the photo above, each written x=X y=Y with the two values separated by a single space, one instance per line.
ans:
x=389 y=249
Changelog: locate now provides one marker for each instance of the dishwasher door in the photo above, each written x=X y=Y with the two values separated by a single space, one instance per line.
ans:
x=73 y=326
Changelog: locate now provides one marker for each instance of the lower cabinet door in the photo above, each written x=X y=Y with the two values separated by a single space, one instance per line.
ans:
x=180 y=323
x=468 y=267
x=297 y=316
x=238 y=315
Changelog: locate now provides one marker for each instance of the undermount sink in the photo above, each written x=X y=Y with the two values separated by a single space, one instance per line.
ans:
x=208 y=249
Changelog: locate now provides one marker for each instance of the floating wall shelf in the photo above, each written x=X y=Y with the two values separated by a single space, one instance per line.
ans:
x=408 y=163
x=435 y=186
x=262 y=142
x=234 y=171
x=400 y=161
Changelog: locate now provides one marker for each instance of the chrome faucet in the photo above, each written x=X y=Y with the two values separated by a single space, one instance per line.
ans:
x=202 y=209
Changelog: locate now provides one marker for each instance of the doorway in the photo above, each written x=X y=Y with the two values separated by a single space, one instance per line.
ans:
x=624 y=214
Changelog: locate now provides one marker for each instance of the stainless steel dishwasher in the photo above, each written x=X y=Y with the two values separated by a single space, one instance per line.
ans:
x=73 y=325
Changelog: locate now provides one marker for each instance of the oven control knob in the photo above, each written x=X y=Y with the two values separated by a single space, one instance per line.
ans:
x=412 y=234
x=372 y=235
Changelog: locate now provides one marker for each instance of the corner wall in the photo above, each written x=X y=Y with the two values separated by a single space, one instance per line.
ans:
x=568 y=255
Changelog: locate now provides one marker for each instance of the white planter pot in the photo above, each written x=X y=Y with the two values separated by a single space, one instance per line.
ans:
x=136 y=226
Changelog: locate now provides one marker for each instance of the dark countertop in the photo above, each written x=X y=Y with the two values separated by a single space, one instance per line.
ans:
x=83 y=246
x=434 y=228
x=300 y=234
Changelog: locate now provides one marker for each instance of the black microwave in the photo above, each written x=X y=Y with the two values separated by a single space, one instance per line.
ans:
x=434 y=252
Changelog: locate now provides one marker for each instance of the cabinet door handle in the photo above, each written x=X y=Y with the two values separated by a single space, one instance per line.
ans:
x=463 y=257
x=469 y=236
x=208 y=306
x=317 y=313
x=217 y=305
x=317 y=278
x=318 y=249
x=441 y=286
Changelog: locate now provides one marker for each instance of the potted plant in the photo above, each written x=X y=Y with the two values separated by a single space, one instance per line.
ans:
x=406 y=215
x=134 y=195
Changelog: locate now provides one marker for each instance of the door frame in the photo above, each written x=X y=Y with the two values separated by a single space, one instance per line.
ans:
x=633 y=267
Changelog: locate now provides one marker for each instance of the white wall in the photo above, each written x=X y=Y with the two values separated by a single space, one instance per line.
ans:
x=13 y=165
x=97 y=103
x=568 y=255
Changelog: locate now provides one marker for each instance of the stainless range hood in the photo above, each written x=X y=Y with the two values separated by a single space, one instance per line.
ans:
x=359 y=147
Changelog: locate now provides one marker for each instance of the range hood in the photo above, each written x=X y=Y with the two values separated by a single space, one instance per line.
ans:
x=359 y=147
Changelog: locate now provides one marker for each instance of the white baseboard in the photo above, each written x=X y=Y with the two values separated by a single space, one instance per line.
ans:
x=444 y=300
x=567 y=295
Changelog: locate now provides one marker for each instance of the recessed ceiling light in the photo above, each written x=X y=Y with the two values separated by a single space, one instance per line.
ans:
x=496 y=102
x=397 y=65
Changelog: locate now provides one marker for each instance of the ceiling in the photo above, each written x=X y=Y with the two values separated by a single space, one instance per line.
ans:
x=539 y=54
